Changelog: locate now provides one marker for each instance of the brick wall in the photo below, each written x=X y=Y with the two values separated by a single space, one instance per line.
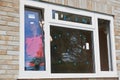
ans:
x=9 y=31
x=9 y=39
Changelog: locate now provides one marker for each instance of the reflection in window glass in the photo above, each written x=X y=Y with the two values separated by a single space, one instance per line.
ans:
x=34 y=43
x=71 y=17
x=71 y=50
x=104 y=42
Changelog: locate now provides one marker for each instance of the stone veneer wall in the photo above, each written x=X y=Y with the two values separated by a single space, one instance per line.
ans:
x=9 y=39
x=9 y=32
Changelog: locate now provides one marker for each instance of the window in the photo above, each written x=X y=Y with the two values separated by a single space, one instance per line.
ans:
x=71 y=50
x=71 y=17
x=62 y=42
x=34 y=40
x=104 y=44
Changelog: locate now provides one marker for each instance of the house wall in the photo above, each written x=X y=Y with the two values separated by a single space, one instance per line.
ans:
x=9 y=32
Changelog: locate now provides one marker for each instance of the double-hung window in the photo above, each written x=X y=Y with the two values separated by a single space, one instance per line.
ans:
x=63 y=42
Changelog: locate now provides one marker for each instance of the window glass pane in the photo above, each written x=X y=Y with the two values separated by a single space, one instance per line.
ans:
x=71 y=17
x=104 y=43
x=34 y=41
x=71 y=50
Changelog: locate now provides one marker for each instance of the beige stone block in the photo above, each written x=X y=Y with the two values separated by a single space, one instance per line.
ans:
x=13 y=24
x=3 y=43
x=66 y=2
x=8 y=4
x=2 y=61
x=3 y=22
x=15 y=57
x=7 y=0
x=14 y=43
x=9 y=67
x=14 y=48
x=2 y=72
x=7 y=9
x=12 y=33
x=9 y=38
x=6 y=18
x=3 y=32
x=13 y=14
x=2 y=52
x=118 y=68
x=6 y=38
x=3 y=13
x=89 y=5
x=7 y=76
x=12 y=62
x=11 y=72
x=7 y=28
x=83 y=4
x=117 y=46
x=5 y=57
x=109 y=9
x=16 y=19
x=16 y=38
x=71 y=3
x=13 y=52
x=118 y=57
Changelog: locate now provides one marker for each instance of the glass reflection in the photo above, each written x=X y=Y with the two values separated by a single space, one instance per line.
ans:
x=34 y=41
x=71 y=50
x=71 y=17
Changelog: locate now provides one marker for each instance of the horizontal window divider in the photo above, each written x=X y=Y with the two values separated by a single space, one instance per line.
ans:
x=76 y=25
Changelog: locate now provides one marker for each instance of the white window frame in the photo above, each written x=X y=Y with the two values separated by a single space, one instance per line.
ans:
x=49 y=21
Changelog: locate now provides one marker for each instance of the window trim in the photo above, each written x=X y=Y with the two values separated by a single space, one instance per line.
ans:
x=49 y=21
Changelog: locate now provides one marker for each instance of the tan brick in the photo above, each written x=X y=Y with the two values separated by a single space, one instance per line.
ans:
x=2 y=61
x=9 y=67
x=3 y=42
x=7 y=0
x=2 y=3
x=12 y=33
x=15 y=57
x=13 y=14
x=16 y=19
x=3 y=13
x=3 y=52
x=12 y=52
x=9 y=38
x=6 y=76
x=118 y=57
x=2 y=72
x=13 y=24
x=89 y=4
x=66 y=2
x=12 y=62
x=3 y=22
x=6 y=38
x=2 y=57
x=7 y=28
x=3 y=32
x=11 y=72
x=6 y=18
x=8 y=9
x=14 y=43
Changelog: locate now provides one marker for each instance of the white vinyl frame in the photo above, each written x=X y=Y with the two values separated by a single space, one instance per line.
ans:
x=49 y=21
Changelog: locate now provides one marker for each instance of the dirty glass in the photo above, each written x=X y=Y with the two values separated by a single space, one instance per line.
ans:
x=34 y=41
x=71 y=50
x=71 y=17
x=104 y=43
